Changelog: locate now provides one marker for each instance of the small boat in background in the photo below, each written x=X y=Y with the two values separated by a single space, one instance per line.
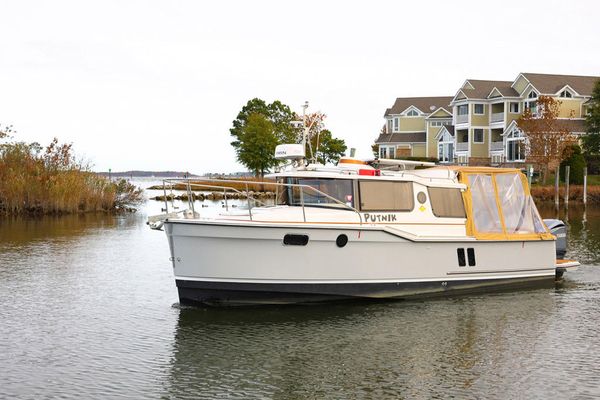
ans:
x=364 y=229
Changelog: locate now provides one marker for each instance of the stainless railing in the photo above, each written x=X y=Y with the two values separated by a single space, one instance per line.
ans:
x=193 y=183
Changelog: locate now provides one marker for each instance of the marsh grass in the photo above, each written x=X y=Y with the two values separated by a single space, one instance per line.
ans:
x=37 y=180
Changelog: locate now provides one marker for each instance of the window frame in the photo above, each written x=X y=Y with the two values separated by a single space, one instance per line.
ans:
x=518 y=107
x=360 y=196
x=475 y=136
x=475 y=109
x=464 y=216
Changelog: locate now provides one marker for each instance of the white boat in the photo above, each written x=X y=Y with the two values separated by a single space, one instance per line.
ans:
x=363 y=230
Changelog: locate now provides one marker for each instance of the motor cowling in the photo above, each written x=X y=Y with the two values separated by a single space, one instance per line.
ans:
x=558 y=229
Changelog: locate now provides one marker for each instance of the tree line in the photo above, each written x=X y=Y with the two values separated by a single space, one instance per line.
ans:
x=259 y=127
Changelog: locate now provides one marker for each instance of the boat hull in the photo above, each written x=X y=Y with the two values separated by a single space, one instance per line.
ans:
x=231 y=264
x=240 y=294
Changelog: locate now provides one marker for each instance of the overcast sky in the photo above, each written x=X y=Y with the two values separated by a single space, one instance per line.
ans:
x=155 y=85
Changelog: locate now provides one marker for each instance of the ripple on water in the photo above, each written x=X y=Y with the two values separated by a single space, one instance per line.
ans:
x=87 y=312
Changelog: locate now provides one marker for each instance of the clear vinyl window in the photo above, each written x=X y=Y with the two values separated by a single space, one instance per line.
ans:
x=485 y=210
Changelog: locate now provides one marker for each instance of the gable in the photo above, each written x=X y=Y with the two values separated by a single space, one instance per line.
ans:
x=520 y=84
x=494 y=93
x=467 y=85
x=441 y=113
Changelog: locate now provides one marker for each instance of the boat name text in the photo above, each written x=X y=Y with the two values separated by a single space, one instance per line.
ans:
x=379 y=217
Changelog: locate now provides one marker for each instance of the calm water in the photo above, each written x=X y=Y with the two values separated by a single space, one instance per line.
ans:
x=89 y=310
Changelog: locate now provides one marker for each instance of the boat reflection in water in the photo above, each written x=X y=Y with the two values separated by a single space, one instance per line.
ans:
x=385 y=349
x=365 y=230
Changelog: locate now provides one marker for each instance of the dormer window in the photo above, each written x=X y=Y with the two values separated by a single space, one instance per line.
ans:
x=532 y=95
x=412 y=113
x=566 y=93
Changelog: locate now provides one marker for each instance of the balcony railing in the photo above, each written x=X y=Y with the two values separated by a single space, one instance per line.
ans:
x=495 y=146
x=461 y=119
x=462 y=146
x=498 y=117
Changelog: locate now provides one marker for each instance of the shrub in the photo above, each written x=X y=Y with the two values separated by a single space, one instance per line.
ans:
x=576 y=161
x=36 y=180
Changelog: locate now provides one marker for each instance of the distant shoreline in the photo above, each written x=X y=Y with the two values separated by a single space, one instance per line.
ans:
x=147 y=174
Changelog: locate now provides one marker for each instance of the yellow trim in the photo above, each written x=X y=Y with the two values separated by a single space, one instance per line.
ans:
x=463 y=177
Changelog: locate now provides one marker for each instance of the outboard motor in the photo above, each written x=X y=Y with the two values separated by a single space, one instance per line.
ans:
x=558 y=229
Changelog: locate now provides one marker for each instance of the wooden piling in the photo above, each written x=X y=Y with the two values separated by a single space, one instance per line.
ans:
x=556 y=188
x=567 y=173
x=585 y=186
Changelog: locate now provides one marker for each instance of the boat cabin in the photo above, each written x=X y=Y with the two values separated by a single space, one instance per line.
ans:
x=487 y=203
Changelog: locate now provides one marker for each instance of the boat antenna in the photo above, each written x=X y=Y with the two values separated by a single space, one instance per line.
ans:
x=306 y=129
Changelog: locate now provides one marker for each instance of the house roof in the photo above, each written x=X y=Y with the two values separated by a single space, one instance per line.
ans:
x=424 y=104
x=572 y=125
x=481 y=89
x=404 y=137
x=445 y=128
x=550 y=84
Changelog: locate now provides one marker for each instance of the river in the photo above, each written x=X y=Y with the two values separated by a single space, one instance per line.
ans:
x=89 y=310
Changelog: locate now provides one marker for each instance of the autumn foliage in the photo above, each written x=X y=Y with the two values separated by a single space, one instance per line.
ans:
x=548 y=138
x=38 y=180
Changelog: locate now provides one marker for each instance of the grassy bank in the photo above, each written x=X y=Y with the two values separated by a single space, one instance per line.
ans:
x=546 y=194
x=37 y=180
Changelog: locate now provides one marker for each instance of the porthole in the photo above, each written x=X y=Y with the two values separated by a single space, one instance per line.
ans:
x=295 y=240
x=341 y=240
x=421 y=197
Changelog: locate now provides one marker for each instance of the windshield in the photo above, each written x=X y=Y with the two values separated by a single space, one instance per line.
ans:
x=339 y=189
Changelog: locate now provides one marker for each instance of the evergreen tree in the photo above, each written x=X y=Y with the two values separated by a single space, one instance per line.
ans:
x=591 y=141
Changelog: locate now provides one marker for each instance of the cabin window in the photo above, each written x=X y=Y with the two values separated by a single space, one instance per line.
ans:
x=485 y=210
x=386 y=196
x=446 y=202
x=329 y=192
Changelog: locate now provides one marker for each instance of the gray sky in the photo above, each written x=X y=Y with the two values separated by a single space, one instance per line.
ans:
x=155 y=84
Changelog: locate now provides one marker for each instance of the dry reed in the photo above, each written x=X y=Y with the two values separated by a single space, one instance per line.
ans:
x=50 y=181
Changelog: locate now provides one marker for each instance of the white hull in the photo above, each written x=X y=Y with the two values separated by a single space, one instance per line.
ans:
x=226 y=262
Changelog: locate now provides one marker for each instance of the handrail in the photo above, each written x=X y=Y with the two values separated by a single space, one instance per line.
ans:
x=190 y=182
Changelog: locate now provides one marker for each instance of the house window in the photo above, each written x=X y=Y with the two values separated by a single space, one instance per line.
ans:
x=478 y=109
x=389 y=125
x=478 y=136
x=396 y=124
x=514 y=107
x=515 y=146
x=532 y=95
x=387 y=152
x=463 y=110
x=566 y=93
x=412 y=113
